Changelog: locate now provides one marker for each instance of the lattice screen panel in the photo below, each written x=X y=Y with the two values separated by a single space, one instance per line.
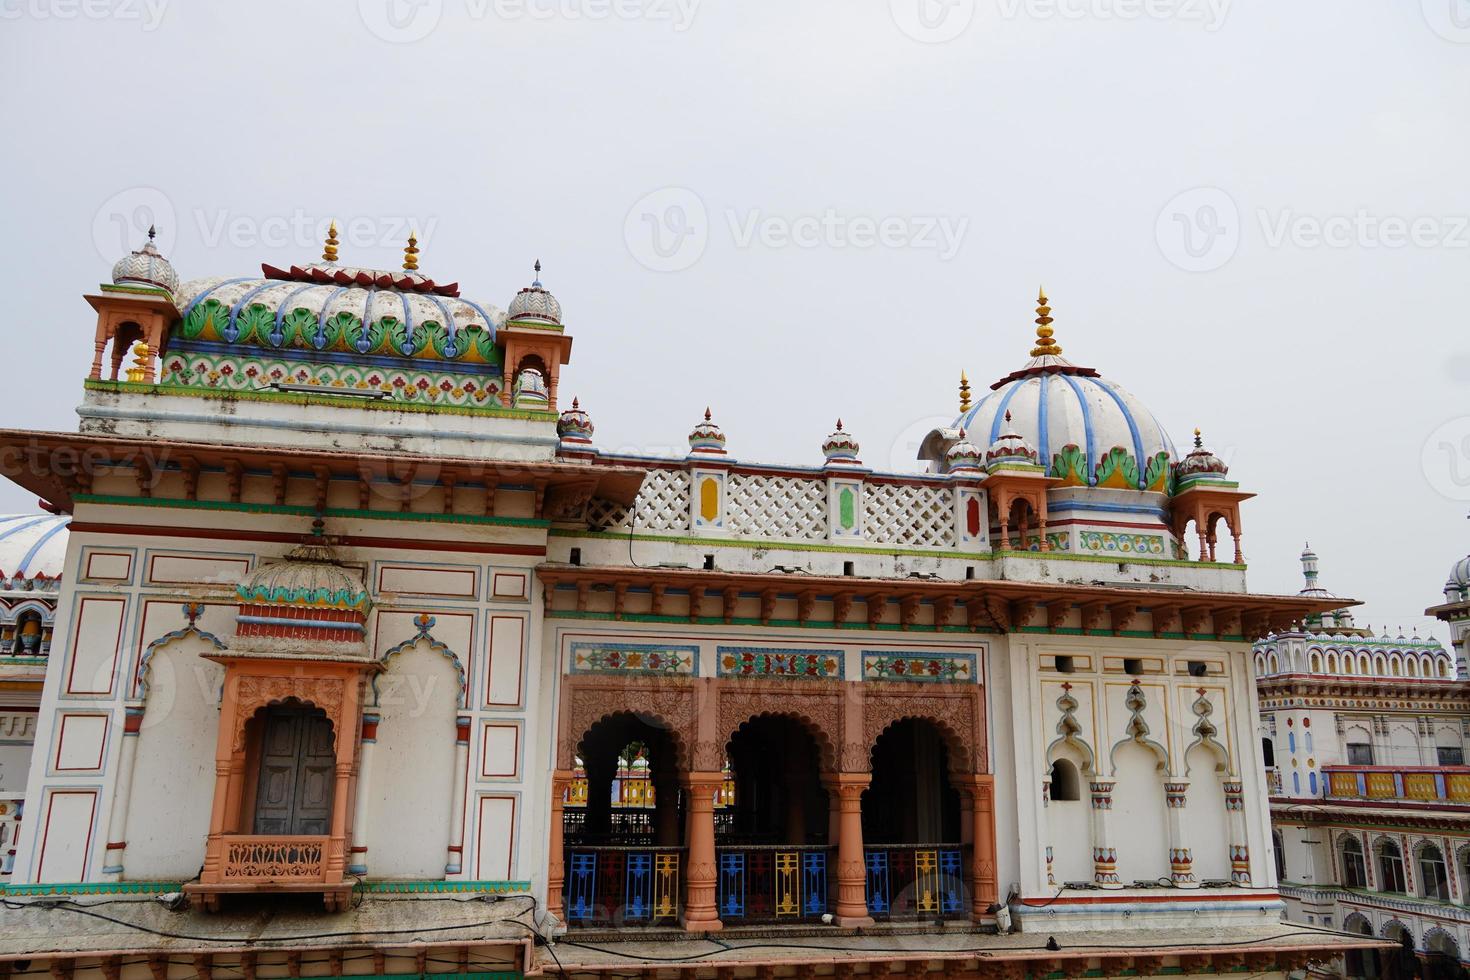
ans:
x=777 y=507
x=919 y=516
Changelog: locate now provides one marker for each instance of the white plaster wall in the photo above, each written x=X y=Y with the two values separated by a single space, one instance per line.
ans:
x=173 y=776
x=1205 y=821
x=1141 y=836
x=412 y=775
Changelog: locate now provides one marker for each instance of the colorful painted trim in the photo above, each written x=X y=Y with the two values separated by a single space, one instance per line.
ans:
x=634 y=658
x=288 y=510
x=901 y=665
x=257 y=325
x=1121 y=542
x=490 y=407
x=594 y=616
x=230 y=372
x=768 y=662
x=94 y=888
x=444 y=887
x=316 y=598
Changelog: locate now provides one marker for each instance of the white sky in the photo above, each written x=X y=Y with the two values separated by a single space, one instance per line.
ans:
x=1052 y=138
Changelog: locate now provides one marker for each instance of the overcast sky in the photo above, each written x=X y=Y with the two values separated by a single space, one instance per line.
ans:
x=1252 y=215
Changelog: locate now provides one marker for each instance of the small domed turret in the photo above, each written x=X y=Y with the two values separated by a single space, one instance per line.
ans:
x=1009 y=448
x=706 y=438
x=964 y=456
x=841 y=449
x=575 y=428
x=1200 y=461
x=535 y=303
x=146 y=267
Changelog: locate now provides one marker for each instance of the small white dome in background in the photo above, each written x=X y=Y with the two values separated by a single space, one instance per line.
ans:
x=32 y=547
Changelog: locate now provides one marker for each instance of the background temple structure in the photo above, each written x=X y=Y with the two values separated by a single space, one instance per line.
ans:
x=357 y=621
x=1364 y=738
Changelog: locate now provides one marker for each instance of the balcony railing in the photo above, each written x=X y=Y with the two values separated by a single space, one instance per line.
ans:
x=773 y=883
x=617 y=886
x=916 y=881
x=1413 y=784
x=264 y=860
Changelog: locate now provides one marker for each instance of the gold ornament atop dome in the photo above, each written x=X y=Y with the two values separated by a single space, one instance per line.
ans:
x=411 y=253
x=964 y=393
x=329 y=250
x=1045 y=345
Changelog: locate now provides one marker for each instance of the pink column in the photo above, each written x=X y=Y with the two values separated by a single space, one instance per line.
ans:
x=852 y=897
x=556 y=871
x=700 y=911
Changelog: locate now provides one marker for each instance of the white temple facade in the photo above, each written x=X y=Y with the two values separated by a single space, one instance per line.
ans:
x=355 y=615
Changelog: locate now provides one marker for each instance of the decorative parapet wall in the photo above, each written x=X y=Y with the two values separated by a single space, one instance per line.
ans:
x=793 y=506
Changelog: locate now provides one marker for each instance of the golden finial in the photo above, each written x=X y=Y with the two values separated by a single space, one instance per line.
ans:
x=964 y=393
x=411 y=253
x=141 y=356
x=329 y=251
x=1198 y=443
x=1045 y=345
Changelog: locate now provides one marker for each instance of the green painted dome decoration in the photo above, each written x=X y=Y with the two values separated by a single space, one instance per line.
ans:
x=308 y=577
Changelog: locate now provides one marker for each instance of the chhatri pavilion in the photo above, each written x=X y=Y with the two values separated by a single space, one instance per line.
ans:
x=367 y=660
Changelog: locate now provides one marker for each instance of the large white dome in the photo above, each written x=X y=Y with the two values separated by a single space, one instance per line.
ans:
x=32 y=545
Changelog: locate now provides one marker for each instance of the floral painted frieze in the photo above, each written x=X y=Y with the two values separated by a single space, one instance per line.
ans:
x=1121 y=543
x=767 y=662
x=904 y=665
x=634 y=658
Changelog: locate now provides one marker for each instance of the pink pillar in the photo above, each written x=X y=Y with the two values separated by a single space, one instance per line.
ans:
x=556 y=871
x=852 y=897
x=700 y=911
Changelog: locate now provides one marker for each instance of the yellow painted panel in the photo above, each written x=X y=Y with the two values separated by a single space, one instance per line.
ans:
x=709 y=498
x=1380 y=786
x=1342 y=784
x=1419 y=786
x=1457 y=787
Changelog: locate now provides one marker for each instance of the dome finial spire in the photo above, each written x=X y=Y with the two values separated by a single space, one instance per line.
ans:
x=964 y=393
x=152 y=232
x=1045 y=345
x=536 y=280
x=329 y=250
x=411 y=253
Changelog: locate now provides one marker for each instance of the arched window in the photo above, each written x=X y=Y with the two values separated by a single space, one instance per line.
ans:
x=1446 y=669
x=1314 y=662
x=1433 y=876
x=1411 y=666
x=1363 y=666
x=1391 y=868
x=1354 y=870
x=1065 y=785
x=1380 y=666
x=1268 y=752
x=1279 y=844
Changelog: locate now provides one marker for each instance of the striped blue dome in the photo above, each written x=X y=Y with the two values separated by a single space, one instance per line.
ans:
x=32 y=544
x=1118 y=442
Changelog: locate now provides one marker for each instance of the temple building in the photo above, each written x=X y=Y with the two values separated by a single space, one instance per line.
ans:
x=32 y=551
x=1364 y=739
x=357 y=620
